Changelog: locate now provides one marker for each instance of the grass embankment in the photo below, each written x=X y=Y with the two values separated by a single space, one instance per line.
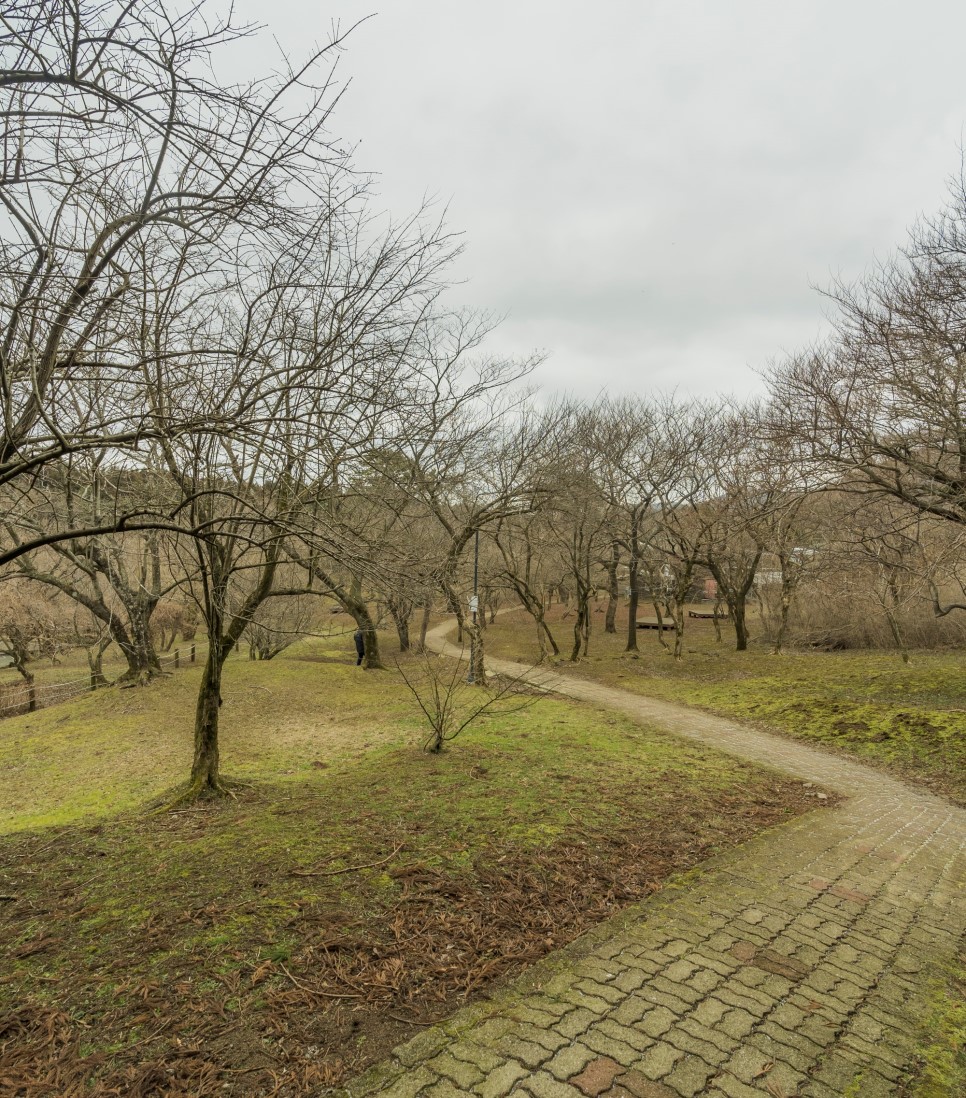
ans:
x=359 y=886
x=114 y=749
x=943 y=1053
x=908 y=718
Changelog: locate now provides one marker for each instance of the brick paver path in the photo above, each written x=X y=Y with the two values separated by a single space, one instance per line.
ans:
x=790 y=967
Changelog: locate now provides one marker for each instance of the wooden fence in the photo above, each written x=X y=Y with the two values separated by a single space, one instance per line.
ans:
x=24 y=697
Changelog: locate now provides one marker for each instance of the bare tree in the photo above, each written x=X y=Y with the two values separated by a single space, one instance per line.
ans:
x=472 y=455
x=882 y=405
x=532 y=566
x=118 y=579
x=637 y=462
x=119 y=144
x=450 y=705
x=311 y=344
x=682 y=521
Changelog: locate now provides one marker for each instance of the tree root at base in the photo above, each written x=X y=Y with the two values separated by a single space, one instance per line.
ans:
x=202 y=789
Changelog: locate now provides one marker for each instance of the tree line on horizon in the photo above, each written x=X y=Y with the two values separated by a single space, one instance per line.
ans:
x=233 y=390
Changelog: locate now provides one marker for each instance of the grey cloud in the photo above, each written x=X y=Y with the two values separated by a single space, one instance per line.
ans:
x=648 y=191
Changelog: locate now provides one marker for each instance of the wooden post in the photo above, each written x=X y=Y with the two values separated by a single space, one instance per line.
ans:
x=192 y=653
x=177 y=658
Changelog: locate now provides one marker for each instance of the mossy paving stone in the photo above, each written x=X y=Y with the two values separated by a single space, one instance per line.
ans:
x=822 y=880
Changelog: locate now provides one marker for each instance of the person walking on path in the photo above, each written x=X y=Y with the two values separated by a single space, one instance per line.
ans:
x=360 y=647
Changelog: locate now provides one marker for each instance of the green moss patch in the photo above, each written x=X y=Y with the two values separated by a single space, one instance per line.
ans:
x=307 y=927
x=908 y=718
x=943 y=1043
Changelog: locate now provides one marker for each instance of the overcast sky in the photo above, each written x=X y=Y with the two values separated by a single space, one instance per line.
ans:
x=649 y=191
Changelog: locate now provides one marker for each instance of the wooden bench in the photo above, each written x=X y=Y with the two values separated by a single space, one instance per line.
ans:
x=654 y=625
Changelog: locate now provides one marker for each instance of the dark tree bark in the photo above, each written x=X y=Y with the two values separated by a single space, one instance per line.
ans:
x=401 y=610
x=613 y=591
x=735 y=586
x=633 y=578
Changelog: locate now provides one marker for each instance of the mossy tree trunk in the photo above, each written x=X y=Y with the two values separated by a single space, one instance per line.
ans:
x=130 y=631
x=218 y=564
x=401 y=611
x=424 y=623
x=205 y=776
x=789 y=577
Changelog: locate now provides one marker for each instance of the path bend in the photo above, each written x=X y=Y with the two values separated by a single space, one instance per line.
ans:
x=793 y=967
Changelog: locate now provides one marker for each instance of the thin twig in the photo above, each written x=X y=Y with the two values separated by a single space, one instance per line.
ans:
x=318 y=991
x=350 y=868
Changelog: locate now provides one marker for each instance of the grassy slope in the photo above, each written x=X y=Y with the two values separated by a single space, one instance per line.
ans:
x=206 y=923
x=113 y=750
x=908 y=718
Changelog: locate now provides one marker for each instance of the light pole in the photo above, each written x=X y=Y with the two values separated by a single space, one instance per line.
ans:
x=474 y=606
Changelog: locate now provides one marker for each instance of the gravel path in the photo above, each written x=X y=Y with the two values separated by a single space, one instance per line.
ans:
x=792 y=967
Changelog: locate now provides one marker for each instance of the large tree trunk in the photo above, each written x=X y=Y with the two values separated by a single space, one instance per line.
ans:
x=785 y=605
x=633 y=579
x=633 y=600
x=424 y=624
x=357 y=607
x=677 y=616
x=660 y=625
x=95 y=660
x=467 y=628
x=132 y=638
x=401 y=611
x=613 y=591
x=224 y=633
x=581 y=625
x=676 y=605
x=204 y=770
x=736 y=596
x=891 y=606
x=136 y=645
x=739 y=613
x=477 y=669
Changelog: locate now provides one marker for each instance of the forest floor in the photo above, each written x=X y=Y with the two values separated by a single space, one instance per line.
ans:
x=907 y=718
x=355 y=890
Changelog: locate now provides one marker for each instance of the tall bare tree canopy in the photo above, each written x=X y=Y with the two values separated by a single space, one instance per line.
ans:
x=883 y=403
x=122 y=153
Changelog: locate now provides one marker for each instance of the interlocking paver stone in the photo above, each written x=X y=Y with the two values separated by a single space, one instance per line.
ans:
x=659 y=1059
x=543 y=1085
x=597 y=1076
x=658 y=1020
x=569 y=1061
x=445 y=1088
x=690 y=1077
x=639 y=1086
x=805 y=949
x=458 y=1071
x=502 y=1080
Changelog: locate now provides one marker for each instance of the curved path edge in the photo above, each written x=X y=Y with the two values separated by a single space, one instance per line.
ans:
x=795 y=966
